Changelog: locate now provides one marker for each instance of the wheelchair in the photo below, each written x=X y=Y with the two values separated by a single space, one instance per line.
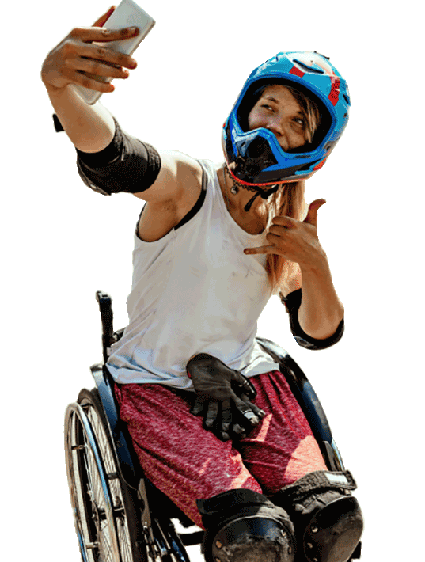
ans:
x=119 y=515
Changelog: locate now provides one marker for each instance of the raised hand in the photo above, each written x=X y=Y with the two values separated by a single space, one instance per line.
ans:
x=79 y=59
x=296 y=240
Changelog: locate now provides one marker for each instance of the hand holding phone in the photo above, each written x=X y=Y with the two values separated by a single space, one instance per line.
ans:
x=127 y=14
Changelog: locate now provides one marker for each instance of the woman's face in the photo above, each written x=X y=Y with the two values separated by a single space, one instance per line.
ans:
x=278 y=111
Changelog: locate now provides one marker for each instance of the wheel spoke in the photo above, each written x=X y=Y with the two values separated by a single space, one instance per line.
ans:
x=100 y=513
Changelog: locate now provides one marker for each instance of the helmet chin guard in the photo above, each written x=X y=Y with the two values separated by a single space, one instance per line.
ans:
x=259 y=192
x=255 y=158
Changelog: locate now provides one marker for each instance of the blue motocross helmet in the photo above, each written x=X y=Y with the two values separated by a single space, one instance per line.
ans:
x=255 y=158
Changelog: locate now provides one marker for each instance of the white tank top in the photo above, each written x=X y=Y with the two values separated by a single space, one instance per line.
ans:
x=194 y=291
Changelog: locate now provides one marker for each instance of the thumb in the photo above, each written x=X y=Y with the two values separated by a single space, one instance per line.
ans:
x=311 y=217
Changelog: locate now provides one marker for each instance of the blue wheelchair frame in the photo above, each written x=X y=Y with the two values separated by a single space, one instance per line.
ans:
x=166 y=540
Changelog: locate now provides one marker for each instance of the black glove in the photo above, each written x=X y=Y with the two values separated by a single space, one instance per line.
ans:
x=222 y=397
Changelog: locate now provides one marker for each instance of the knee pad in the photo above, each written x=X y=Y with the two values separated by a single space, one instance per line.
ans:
x=244 y=526
x=327 y=519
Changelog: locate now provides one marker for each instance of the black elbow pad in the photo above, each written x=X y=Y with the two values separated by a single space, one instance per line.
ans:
x=293 y=303
x=125 y=165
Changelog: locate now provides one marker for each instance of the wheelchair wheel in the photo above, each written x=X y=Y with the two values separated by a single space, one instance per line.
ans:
x=107 y=512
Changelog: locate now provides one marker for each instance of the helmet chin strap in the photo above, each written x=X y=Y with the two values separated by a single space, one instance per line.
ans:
x=261 y=193
x=265 y=194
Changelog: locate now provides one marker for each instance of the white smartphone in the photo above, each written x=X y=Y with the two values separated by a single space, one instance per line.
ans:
x=127 y=14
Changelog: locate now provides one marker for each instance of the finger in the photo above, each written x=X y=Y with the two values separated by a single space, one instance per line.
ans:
x=278 y=230
x=226 y=419
x=105 y=55
x=260 y=250
x=91 y=82
x=198 y=407
x=226 y=414
x=247 y=412
x=283 y=220
x=257 y=411
x=101 y=34
x=96 y=68
x=243 y=385
x=238 y=431
x=212 y=413
x=273 y=238
x=104 y=18
x=253 y=407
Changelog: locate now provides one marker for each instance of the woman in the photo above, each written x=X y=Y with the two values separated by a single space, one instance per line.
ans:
x=213 y=243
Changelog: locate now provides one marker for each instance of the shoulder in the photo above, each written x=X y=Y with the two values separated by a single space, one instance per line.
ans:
x=187 y=169
x=179 y=177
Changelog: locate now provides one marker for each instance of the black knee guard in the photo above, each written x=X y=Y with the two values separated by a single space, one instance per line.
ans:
x=327 y=519
x=244 y=526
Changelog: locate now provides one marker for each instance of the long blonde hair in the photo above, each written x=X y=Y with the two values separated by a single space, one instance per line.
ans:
x=289 y=200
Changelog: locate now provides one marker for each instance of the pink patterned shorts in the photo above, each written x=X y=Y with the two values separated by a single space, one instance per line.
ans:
x=186 y=462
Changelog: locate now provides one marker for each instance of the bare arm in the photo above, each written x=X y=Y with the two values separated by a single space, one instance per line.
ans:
x=92 y=128
x=321 y=311
x=89 y=127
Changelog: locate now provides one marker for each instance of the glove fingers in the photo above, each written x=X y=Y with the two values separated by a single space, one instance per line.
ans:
x=257 y=411
x=238 y=431
x=198 y=407
x=242 y=384
x=218 y=419
x=250 y=413
x=226 y=420
x=211 y=415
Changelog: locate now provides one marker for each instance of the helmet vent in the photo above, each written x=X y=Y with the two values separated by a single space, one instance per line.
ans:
x=309 y=68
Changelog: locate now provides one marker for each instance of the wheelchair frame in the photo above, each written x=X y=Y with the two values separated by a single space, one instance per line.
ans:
x=119 y=515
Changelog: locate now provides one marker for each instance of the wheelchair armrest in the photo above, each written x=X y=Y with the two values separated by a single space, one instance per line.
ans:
x=308 y=400
x=119 y=433
x=104 y=385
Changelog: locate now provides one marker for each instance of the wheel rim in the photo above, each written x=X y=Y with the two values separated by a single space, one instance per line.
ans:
x=116 y=494
x=96 y=495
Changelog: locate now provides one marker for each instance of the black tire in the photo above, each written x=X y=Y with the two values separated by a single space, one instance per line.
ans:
x=107 y=511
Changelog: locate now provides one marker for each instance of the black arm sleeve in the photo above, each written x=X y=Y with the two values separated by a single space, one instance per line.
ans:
x=293 y=303
x=125 y=165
